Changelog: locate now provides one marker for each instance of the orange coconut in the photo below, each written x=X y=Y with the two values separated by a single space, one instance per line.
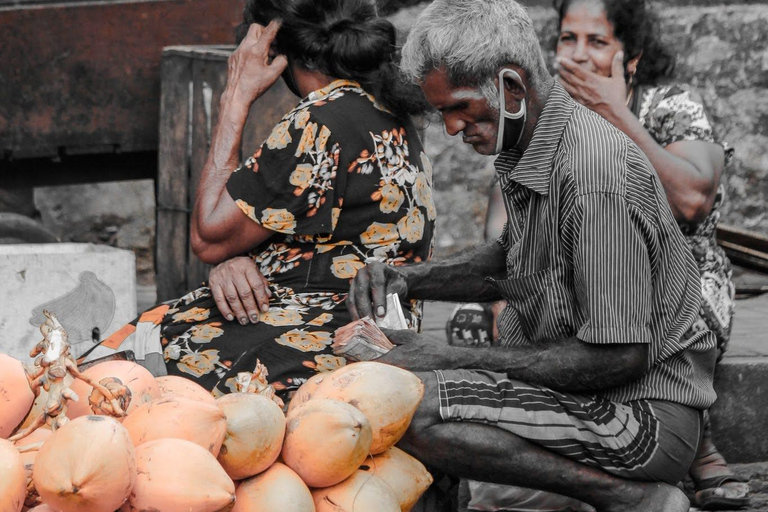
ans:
x=13 y=482
x=387 y=395
x=176 y=475
x=30 y=453
x=277 y=489
x=326 y=441
x=41 y=508
x=407 y=477
x=306 y=391
x=16 y=397
x=173 y=385
x=199 y=422
x=132 y=382
x=255 y=432
x=88 y=465
x=361 y=492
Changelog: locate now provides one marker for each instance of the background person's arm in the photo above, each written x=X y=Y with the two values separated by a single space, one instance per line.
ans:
x=689 y=171
x=219 y=228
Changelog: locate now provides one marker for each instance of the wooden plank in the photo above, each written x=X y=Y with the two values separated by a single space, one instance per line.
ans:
x=744 y=247
x=173 y=179
x=84 y=77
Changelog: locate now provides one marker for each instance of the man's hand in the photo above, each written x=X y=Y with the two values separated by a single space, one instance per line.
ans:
x=369 y=289
x=250 y=72
x=416 y=352
x=239 y=289
x=596 y=92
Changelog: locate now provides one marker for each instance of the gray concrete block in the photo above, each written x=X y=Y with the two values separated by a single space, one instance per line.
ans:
x=91 y=288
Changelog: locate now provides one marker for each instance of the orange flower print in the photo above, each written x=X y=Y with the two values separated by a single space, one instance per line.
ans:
x=192 y=315
x=300 y=121
x=171 y=352
x=305 y=341
x=247 y=209
x=279 y=317
x=307 y=139
x=301 y=176
x=346 y=267
x=204 y=333
x=280 y=136
x=411 y=227
x=199 y=363
x=426 y=164
x=322 y=319
x=379 y=234
x=280 y=220
x=322 y=139
x=391 y=198
x=335 y=212
x=327 y=363
x=423 y=194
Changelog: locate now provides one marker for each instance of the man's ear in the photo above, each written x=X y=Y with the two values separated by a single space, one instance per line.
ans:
x=514 y=91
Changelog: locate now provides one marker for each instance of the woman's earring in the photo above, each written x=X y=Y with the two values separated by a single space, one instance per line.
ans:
x=630 y=87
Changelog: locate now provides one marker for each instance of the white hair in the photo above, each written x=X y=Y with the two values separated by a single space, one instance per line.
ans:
x=472 y=40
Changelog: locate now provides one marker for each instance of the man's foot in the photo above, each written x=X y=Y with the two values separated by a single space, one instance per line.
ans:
x=653 y=497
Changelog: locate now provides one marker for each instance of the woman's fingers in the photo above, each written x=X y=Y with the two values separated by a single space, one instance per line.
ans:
x=221 y=302
x=260 y=289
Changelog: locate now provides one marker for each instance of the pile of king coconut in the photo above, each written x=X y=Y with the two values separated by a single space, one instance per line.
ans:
x=113 y=437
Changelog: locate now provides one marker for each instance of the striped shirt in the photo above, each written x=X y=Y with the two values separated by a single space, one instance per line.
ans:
x=593 y=251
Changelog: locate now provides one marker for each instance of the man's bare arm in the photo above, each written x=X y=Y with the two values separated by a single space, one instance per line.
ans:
x=567 y=365
x=460 y=278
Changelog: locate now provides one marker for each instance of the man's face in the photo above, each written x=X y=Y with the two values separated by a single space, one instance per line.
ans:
x=464 y=109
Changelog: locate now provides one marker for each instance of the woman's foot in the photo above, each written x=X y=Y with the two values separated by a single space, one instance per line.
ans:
x=715 y=485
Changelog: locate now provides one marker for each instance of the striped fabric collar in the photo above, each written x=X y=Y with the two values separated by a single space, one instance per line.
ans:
x=532 y=168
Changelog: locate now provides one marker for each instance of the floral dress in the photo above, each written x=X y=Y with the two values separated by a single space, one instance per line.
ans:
x=672 y=113
x=342 y=182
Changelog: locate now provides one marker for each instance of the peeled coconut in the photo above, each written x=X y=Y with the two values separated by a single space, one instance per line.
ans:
x=38 y=407
x=88 y=465
x=254 y=436
x=173 y=385
x=176 y=475
x=306 y=390
x=16 y=397
x=199 y=422
x=277 y=489
x=407 y=477
x=361 y=492
x=13 y=482
x=387 y=395
x=326 y=441
x=133 y=384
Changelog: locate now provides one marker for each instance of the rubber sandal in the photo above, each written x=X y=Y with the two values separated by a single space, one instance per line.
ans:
x=711 y=495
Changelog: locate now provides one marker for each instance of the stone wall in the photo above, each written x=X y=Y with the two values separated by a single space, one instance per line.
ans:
x=722 y=50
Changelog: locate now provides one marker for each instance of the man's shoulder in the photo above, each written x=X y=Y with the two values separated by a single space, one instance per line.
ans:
x=599 y=155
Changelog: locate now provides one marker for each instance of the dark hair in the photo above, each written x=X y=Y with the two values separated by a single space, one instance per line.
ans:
x=637 y=27
x=342 y=39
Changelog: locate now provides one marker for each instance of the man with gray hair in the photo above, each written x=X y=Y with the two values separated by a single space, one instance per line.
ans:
x=594 y=390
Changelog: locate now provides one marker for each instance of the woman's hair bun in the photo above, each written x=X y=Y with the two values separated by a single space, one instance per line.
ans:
x=356 y=48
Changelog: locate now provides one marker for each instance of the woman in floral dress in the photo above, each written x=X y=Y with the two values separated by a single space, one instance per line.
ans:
x=341 y=180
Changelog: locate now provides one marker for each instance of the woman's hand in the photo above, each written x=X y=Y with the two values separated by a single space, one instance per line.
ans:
x=239 y=289
x=599 y=93
x=250 y=72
